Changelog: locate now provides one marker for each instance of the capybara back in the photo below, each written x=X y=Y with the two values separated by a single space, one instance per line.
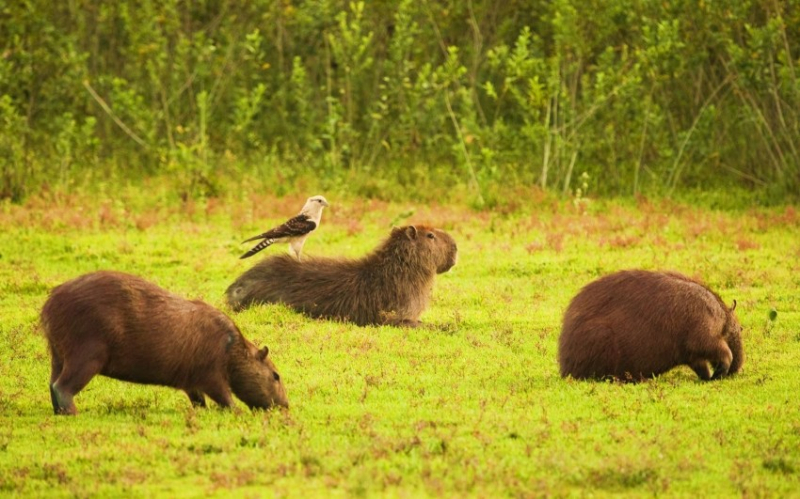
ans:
x=636 y=324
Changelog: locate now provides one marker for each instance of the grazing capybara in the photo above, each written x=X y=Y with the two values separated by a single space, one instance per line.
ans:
x=126 y=328
x=636 y=324
x=391 y=285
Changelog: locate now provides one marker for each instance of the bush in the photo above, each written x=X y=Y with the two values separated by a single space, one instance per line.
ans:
x=643 y=96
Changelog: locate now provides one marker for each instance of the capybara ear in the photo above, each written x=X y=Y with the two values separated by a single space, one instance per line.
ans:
x=411 y=232
x=733 y=307
x=262 y=354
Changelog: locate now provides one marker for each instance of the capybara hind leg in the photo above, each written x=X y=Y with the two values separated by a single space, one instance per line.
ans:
x=72 y=380
x=411 y=323
x=197 y=398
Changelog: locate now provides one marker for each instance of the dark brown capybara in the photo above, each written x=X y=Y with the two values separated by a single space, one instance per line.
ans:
x=636 y=324
x=391 y=285
x=126 y=328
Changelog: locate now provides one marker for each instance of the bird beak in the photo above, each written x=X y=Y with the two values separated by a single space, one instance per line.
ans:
x=325 y=204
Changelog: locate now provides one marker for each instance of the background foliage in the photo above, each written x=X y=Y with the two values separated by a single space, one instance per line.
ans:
x=641 y=95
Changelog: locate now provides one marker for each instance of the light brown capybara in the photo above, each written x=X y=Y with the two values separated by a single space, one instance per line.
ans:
x=126 y=328
x=637 y=324
x=391 y=285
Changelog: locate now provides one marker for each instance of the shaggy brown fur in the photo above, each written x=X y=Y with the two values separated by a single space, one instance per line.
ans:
x=126 y=328
x=391 y=285
x=636 y=324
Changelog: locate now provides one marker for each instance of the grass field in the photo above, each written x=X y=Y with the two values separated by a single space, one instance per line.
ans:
x=471 y=404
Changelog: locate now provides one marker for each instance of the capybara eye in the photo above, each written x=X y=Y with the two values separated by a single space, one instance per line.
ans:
x=276 y=376
x=431 y=235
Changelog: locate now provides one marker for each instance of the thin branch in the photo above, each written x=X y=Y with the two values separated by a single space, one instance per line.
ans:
x=571 y=166
x=113 y=116
x=547 y=143
x=463 y=146
x=641 y=144
x=477 y=39
x=675 y=171
x=436 y=28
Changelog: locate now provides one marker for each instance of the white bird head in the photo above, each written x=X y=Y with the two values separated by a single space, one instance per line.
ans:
x=313 y=207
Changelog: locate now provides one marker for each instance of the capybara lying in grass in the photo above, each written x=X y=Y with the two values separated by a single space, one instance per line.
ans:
x=636 y=324
x=126 y=328
x=391 y=285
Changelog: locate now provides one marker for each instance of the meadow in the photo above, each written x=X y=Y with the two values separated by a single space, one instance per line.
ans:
x=470 y=404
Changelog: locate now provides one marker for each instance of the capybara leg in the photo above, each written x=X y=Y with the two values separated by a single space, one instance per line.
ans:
x=220 y=394
x=71 y=381
x=721 y=369
x=56 y=365
x=407 y=323
x=197 y=398
x=719 y=357
x=701 y=368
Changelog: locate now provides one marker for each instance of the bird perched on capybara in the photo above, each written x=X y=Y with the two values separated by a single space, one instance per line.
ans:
x=636 y=324
x=126 y=328
x=294 y=231
x=391 y=285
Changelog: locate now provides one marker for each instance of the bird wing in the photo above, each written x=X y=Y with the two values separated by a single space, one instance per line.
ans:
x=297 y=226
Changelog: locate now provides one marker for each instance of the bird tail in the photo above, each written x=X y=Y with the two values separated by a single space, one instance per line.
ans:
x=258 y=247
x=260 y=236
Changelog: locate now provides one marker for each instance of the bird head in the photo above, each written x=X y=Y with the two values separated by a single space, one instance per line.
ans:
x=314 y=205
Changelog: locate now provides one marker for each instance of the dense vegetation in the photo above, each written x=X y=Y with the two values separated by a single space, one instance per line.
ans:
x=638 y=95
x=471 y=405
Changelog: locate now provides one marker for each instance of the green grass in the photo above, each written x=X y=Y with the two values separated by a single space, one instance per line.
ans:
x=472 y=404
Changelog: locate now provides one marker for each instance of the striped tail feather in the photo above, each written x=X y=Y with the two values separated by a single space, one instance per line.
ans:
x=258 y=247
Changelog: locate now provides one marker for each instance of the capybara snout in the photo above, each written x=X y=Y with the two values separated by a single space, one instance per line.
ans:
x=637 y=324
x=449 y=254
x=121 y=326
x=259 y=382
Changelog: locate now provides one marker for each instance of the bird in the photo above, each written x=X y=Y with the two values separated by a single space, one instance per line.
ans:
x=294 y=231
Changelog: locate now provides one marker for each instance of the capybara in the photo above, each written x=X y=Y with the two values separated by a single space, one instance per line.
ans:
x=636 y=324
x=126 y=328
x=391 y=285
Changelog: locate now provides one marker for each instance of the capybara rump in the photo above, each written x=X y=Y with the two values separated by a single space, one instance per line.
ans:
x=121 y=326
x=636 y=324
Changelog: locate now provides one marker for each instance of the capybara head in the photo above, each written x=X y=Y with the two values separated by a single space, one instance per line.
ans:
x=733 y=336
x=255 y=380
x=431 y=248
x=636 y=324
